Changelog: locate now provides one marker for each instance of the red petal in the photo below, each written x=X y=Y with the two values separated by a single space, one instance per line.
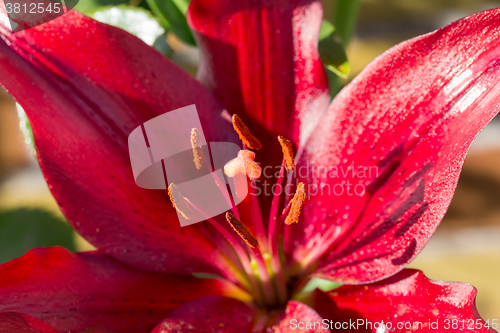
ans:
x=11 y=322
x=96 y=329
x=260 y=59
x=72 y=292
x=410 y=116
x=209 y=314
x=409 y=298
x=299 y=317
x=85 y=86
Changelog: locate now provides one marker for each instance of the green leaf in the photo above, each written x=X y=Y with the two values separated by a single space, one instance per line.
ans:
x=183 y=5
x=88 y=7
x=207 y=276
x=25 y=126
x=334 y=83
x=346 y=15
x=25 y=229
x=333 y=55
x=161 y=45
x=326 y=285
x=172 y=14
x=137 y=21
x=326 y=29
x=321 y=284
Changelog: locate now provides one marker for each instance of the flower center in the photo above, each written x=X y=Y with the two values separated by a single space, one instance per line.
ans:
x=259 y=261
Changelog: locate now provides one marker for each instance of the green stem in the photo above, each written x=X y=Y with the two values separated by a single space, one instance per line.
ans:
x=346 y=13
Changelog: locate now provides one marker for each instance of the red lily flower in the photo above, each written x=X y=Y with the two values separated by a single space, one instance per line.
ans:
x=411 y=114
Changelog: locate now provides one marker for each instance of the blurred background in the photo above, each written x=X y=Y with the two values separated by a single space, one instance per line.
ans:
x=466 y=246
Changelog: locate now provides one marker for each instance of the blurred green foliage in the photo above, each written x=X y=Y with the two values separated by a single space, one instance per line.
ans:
x=137 y=21
x=90 y=6
x=345 y=18
x=24 y=229
x=332 y=51
x=172 y=14
x=344 y=21
x=321 y=284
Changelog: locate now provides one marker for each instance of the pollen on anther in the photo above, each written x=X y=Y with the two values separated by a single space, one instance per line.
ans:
x=286 y=147
x=297 y=204
x=248 y=139
x=242 y=230
x=179 y=202
x=196 y=146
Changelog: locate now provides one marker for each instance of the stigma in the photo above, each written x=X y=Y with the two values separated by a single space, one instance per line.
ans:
x=243 y=163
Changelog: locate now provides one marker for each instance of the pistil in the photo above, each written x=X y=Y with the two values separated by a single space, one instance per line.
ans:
x=243 y=163
x=200 y=159
x=275 y=222
x=288 y=164
x=259 y=263
x=268 y=241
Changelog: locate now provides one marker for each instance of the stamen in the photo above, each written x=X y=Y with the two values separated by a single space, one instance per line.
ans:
x=226 y=115
x=297 y=204
x=179 y=202
x=243 y=163
x=242 y=230
x=200 y=160
x=248 y=139
x=196 y=145
x=286 y=147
